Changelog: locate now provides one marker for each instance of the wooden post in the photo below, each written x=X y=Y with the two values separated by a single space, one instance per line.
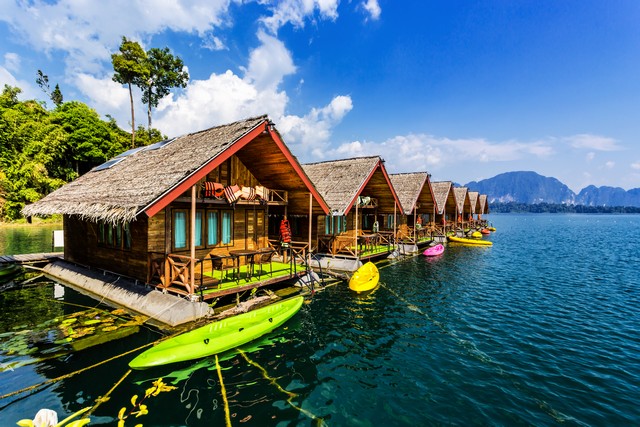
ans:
x=310 y=219
x=356 y=234
x=414 y=223
x=193 y=240
x=394 y=223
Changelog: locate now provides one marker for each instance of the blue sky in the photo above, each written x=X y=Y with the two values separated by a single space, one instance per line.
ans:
x=462 y=89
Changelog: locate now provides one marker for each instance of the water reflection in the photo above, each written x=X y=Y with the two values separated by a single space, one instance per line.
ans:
x=28 y=238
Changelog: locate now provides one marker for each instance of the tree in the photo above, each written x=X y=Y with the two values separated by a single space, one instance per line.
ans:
x=56 y=96
x=131 y=68
x=165 y=72
x=43 y=81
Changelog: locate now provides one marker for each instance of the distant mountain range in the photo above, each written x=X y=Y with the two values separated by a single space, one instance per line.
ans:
x=533 y=188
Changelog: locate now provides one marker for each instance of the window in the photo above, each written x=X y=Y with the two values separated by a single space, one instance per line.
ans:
x=114 y=236
x=213 y=233
x=335 y=224
x=212 y=228
x=390 y=222
x=227 y=227
x=179 y=229
x=198 y=239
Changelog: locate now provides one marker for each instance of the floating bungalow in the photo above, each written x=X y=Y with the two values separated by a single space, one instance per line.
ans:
x=416 y=224
x=463 y=207
x=445 y=206
x=363 y=206
x=483 y=207
x=192 y=215
x=474 y=204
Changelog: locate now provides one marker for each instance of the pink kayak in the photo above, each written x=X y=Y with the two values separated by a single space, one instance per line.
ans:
x=434 y=250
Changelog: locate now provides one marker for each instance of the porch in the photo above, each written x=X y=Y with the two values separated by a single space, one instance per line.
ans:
x=205 y=279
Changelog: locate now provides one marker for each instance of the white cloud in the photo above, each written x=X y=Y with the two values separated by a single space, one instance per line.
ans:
x=610 y=164
x=269 y=63
x=296 y=11
x=29 y=91
x=309 y=135
x=418 y=152
x=88 y=32
x=211 y=42
x=110 y=98
x=12 y=61
x=590 y=156
x=373 y=9
x=635 y=165
x=593 y=142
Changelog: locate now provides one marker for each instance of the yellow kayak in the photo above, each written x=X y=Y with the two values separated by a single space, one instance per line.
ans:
x=466 y=241
x=476 y=235
x=365 y=278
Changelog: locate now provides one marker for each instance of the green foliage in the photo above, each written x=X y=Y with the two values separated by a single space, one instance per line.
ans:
x=513 y=207
x=130 y=68
x=155 y=72
x=41 y=150
x=43 y=81
x=165 y=71
x=56 y=96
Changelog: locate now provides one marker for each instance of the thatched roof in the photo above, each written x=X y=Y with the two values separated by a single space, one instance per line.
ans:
x=441 y=192
x=473 y=199
x=151 y=176
x=462 y=198
x=483 y=205
x=409 y=187
x=340 y=182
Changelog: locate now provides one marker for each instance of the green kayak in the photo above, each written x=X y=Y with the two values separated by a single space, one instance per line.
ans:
x=219 y=336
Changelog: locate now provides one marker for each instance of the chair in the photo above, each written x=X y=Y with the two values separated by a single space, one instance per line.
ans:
x=224 y=263
x=264 y=257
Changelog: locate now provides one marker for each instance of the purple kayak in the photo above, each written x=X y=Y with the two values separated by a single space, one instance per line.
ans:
x=434 y=250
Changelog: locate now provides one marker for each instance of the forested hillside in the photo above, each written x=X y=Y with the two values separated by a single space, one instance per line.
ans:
x=41 y=149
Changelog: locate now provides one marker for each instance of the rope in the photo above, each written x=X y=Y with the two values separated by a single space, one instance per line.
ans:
x=69 y=375
x=227 y=417
x=273 y=381
x=104 y=398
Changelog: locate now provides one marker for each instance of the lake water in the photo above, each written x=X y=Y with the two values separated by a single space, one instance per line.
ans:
x=539 y=329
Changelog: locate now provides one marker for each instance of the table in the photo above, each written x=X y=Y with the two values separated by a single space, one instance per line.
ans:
x=248 y=254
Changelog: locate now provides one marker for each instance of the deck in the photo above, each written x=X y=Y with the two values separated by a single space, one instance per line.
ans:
x=41 y=258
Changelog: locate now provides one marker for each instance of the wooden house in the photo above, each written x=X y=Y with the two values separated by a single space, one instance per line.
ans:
x=463 y=206
x=483 y=208
x=474 y=207
x=171 y=214
x=445 y=205
x=418 y=204
x=362 y=203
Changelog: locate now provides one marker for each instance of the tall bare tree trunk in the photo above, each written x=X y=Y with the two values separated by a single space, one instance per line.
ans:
x=133 y=120
x=149 y=116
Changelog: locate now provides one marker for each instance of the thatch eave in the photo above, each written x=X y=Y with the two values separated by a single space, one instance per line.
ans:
x=94 y=212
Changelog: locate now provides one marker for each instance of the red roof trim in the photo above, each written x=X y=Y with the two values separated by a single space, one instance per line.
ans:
x=386 y=177
x=296 y=166
x=176 y=191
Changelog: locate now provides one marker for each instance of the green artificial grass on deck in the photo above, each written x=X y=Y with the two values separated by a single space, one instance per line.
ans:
x=227 y=281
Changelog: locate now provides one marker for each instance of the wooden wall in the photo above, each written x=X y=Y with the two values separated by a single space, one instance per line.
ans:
x=81 y=246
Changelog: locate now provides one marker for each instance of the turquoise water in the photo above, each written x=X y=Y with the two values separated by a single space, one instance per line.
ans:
x=540 y=329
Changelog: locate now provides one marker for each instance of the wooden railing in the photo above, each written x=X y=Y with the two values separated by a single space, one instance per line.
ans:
x=174 y=271
x=279 y=196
